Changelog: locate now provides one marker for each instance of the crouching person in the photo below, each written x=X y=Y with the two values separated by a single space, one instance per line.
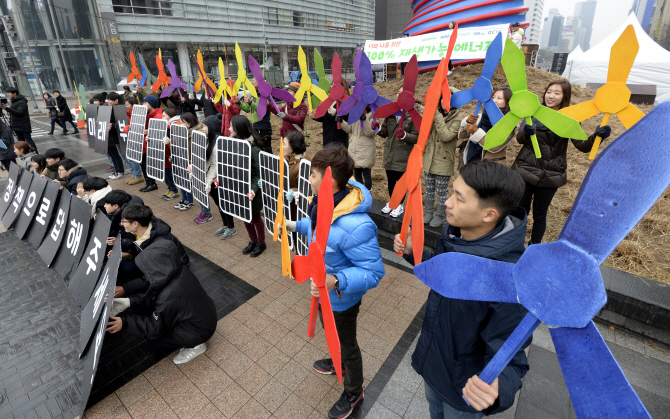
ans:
x=175 y=312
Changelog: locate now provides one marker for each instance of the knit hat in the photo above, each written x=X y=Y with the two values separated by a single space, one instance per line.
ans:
x=152 y=100
x=294 y=86
x=100 y=98
x=214 y=122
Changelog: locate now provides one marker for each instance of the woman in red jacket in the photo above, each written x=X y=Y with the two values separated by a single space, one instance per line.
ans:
x=293 y=117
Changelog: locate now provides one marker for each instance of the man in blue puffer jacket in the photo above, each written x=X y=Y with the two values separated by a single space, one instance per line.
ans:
x=460 y=337
x=353 y=264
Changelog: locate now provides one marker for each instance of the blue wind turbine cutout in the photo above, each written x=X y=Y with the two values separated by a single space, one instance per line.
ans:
x=560 y=283
x=482 y=90
x=145 y=75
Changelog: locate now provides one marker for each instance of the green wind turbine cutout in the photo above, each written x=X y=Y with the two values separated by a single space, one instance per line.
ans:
x=525 y=104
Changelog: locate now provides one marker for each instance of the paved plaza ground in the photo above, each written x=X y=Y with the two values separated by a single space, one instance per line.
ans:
x=259 y=362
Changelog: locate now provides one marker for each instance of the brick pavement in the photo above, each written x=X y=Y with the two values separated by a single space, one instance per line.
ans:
x=259 y=362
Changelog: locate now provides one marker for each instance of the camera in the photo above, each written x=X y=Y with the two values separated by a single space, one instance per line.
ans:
x=3 y=100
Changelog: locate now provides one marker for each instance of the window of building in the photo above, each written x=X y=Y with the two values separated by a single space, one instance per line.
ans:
x=143 y=7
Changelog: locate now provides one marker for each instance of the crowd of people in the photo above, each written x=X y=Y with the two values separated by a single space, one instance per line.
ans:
x=486 y=215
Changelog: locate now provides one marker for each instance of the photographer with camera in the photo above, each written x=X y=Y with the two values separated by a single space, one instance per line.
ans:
x=20 y=118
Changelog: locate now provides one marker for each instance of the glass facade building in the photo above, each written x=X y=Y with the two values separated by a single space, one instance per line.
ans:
x=88 y=41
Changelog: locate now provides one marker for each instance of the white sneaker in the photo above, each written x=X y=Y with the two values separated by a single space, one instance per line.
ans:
x=398 y=211
x=386 y=209
x=115 y=176
x=187 y=354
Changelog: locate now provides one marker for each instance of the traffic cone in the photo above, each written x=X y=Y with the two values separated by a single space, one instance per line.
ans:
x=81 y=122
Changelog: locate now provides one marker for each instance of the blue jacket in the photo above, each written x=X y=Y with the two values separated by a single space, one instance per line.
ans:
x=460 y=337
x=353 y=252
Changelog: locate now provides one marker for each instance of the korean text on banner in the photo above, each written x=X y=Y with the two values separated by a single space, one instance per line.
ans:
x=471 y=44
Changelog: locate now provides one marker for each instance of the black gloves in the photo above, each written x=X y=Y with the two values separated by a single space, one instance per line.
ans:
x=338 y=119
x=528 y=130
x=603 y=132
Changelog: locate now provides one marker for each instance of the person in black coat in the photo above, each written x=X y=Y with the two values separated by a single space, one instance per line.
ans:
x=175 y=312
x=139 y=220
x=7 y=154
x=115 y=202
x=71 y=173
x=331 y=133
x=62 y=105
x=20 y=117
x=460 y=337
x=114 y=99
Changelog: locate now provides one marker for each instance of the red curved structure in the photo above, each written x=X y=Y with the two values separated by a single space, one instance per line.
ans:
x=434 y=16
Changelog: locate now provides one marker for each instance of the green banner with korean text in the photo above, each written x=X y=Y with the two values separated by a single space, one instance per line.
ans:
x=471 y=44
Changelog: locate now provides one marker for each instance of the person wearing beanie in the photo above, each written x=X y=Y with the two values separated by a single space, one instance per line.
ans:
x=293 y=117
x=154 y=111
x=98 y=99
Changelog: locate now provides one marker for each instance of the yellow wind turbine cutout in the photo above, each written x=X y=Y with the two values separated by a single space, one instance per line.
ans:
x=242 y=75
x=306 y=85
x=280 y=220
x=614 y=96
x=223 y=85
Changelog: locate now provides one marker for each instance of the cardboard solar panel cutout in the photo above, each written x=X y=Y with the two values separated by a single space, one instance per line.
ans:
x=51 y=243
x=95 y=302
x=10 y=188
x=45 y=209
x=92 y=354
x=234 y=173
x=614 y=96
x=526 y=105
x=179 y=149
x=121 y=120
x=85 y=277
x=74 y=240
x=32 y=202
x=19 y=197
x=91 y=127
x=302 y=200
x=270 y=180
x=103 y=119
x=199 y=167
x=156 y=149
x=560 y=283
x=136 y=133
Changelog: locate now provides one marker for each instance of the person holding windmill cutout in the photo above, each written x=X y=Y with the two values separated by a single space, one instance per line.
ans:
x=459 y=337
x=353 y=265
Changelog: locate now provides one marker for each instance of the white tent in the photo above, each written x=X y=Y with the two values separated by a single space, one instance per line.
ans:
x=571 y=58
x=652 y=64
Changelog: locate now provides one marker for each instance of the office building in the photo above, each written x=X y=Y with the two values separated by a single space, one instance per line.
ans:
x=96 y=37
x=534 y=19
x=547 y=28
x=586 y=11
x=391 y=17
x=644 y=11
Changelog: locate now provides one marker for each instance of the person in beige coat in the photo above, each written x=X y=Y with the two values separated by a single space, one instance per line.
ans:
x=362 y=147
x=438 y=163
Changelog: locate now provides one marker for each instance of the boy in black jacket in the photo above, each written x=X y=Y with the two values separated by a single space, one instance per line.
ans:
x=460 y=337
x=176 y=312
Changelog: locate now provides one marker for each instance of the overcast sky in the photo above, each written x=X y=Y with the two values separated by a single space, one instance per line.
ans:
x=609 y=14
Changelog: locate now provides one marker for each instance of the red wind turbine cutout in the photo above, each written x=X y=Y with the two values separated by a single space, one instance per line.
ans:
x=162 y=78
x=336 y=91
x=405 y=102
x=411 y=180
x=313 y=266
